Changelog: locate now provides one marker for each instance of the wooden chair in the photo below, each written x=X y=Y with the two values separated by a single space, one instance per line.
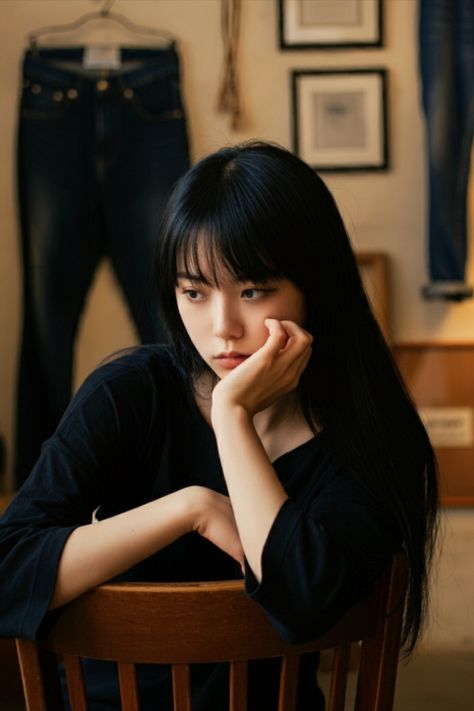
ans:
x=185 y=623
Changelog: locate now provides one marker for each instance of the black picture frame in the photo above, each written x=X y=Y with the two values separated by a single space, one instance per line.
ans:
x=322 y=24
x=339 y=118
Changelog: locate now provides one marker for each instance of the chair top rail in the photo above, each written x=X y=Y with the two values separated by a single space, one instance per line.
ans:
x=162 y=616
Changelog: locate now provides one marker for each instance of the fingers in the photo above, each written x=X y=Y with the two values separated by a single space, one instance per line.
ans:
x=293 y=329
x=290 y=345
x=278 y=336
x=285 y=328
x=285 y=335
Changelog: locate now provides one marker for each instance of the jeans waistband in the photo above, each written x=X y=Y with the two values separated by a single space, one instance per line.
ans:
x=40 y=65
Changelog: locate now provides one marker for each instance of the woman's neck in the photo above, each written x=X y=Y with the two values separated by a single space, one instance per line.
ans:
x=280 y=427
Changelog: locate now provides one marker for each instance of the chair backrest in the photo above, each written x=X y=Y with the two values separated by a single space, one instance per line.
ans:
x=181 y=624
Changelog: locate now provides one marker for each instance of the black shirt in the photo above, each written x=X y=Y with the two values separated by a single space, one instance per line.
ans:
x=134 y=433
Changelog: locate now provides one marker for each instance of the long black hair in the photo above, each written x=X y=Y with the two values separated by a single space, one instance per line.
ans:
x=263 y=213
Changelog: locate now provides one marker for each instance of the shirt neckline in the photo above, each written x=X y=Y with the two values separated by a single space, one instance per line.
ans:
x=209 y=429
x=298 y=447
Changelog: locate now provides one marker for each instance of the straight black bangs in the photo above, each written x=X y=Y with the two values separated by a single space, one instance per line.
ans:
x=241 y=213
x=208 y=249
x=208 y=256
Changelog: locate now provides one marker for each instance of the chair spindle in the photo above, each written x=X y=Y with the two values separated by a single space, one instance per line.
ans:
x=238 y=684
x=128 y=686
x=288 y=682
x=181 y=687
x=75 y=683
x=338 y=684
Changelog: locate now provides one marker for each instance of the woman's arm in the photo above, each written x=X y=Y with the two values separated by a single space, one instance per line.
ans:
x=106 y=452
x=314 y=555
x=99 y=551
x=254 y=488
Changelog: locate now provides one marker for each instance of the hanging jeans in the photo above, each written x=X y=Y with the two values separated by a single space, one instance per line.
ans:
x=447 y=74
x=98 y=153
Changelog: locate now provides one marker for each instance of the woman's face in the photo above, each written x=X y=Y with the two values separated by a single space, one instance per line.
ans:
x=226 y=323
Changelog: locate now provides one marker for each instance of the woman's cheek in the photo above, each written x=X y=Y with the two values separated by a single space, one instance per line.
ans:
x=261 y=332
x=188 y=322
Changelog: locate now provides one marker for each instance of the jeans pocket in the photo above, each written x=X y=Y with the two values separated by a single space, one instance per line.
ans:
x=40 y=101
x=159 y=100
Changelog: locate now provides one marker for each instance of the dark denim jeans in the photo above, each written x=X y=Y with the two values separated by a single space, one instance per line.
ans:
x=447 y=74
x=98 y=153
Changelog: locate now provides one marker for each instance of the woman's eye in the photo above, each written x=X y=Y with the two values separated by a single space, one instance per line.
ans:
x=250 y=293
x=253 y=294
x=192 y=294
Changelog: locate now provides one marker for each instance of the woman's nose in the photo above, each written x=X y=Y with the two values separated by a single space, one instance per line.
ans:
x=227 y=322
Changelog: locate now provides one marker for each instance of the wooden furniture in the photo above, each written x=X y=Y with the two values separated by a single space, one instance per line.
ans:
x=439 y=376
x=187 y=623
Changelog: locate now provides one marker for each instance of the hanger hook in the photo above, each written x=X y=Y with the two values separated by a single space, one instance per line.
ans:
x=106 y=7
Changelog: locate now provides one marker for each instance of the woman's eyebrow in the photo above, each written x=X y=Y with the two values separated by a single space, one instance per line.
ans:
x=198 y=278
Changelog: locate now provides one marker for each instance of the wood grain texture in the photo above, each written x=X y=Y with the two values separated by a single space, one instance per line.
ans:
x=179 y=624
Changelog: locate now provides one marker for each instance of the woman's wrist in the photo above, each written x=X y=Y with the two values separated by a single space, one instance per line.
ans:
x=224 y=410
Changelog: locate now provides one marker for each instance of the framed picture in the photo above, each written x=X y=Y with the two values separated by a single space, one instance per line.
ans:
x=340 y=118
x=314 y=24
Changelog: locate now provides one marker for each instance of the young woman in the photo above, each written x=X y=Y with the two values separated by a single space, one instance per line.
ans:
x=273 y=437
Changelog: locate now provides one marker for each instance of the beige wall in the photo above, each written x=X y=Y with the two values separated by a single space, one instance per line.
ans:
x=383 y=211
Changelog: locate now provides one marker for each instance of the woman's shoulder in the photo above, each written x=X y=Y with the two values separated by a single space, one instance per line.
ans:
x=154 y=363
x=140 y=379
x=148 y=356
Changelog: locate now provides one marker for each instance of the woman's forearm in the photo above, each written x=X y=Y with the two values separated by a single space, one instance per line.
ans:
x=99 y=551
x=254 y=488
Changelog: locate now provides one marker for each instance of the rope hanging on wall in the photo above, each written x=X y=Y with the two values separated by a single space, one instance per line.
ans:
x=229 y=98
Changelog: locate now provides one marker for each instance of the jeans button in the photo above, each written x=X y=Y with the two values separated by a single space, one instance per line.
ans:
x=102 y=85
x=36 y=89
x=72 y=94
x=58 y=96
x=128 y=93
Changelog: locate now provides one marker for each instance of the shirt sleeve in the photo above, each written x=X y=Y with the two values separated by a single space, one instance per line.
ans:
x=320 y=559
x=77 y=469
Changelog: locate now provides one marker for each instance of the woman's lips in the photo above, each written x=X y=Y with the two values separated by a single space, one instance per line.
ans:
x=231 y=360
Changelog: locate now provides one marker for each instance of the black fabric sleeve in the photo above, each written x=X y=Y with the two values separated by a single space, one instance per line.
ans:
x=82 y=466
x=320 y=560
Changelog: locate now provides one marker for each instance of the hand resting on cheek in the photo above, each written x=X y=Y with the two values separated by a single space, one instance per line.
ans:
x=271 y=372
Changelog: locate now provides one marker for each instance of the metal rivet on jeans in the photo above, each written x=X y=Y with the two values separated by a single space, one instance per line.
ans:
x=58 y=96
x=128 y=93
x=72 y=93
x=36 y=89
x=102 y=85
